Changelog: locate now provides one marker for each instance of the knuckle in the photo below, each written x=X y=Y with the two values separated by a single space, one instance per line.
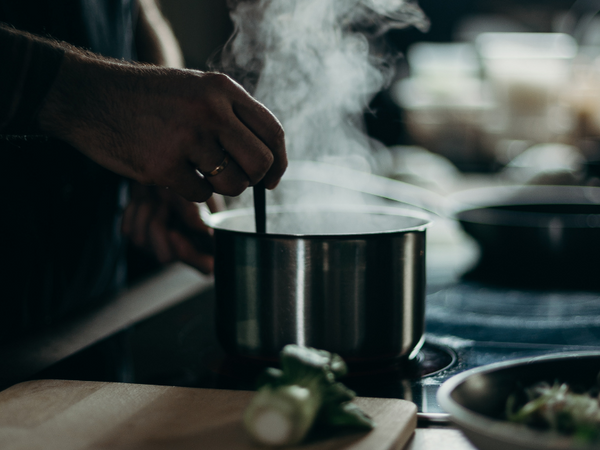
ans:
x=151 y=174
x=164 y=172
x=278 y=134
x=261 y=167
x=235 y=189
x=267 y=161
x=144 y=175
x=145 y=179
x=198 y=197
x=193 y=198
x=183 y=252
x=193 y=190
x=283 y=164
x=275 y=134
x=219 y=80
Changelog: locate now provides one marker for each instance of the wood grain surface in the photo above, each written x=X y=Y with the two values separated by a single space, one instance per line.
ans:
x=439 y=439
x=76 y=415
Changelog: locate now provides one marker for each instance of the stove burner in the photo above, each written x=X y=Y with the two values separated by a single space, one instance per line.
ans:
x=434 y=359
x=431 y=359
x=397 y=380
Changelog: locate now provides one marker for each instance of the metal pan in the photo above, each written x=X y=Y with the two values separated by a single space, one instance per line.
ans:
x=534 y=236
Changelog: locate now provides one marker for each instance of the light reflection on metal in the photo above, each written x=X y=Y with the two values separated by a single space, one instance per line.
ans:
x=300 y=294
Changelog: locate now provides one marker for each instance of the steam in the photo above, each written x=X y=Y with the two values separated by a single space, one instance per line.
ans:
x=316 y=65
x=309 y=62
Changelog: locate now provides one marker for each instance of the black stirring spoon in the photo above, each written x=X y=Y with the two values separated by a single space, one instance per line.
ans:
x=260 y=207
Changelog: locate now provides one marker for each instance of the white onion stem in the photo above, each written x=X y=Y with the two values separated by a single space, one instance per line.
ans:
x=281 y=416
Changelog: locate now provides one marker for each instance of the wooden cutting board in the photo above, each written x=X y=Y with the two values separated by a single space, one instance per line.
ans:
x=77 y=415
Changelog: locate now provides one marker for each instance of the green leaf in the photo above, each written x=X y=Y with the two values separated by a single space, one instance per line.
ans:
x=307 y=367
x=300 y=364
x=345 y=415
x=338 y=366
x=338 y=393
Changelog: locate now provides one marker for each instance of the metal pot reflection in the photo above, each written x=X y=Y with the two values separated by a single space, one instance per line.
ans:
x=349 y=280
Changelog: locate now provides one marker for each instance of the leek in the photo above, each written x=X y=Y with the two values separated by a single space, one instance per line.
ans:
x=289 y=401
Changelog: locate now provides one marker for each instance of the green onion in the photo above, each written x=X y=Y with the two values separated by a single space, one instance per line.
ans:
x=305 y=391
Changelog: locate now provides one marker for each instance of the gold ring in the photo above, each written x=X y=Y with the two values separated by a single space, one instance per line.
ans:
x=217 y=170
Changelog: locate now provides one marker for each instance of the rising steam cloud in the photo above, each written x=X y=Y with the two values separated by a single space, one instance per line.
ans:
x=309 y=62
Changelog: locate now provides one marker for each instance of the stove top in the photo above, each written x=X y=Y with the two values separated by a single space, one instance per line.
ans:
x=241 y=373
x=440 y=358
x=477 y=311
x=468 y=324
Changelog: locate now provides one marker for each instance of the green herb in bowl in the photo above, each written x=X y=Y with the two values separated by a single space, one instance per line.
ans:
x=557 y=407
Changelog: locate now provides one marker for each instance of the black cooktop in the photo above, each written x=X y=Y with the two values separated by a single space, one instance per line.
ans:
x=468 y=324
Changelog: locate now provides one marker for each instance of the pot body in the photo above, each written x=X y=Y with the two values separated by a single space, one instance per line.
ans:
x=359 y=295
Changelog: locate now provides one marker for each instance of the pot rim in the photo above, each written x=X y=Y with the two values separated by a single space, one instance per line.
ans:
x=216 y=219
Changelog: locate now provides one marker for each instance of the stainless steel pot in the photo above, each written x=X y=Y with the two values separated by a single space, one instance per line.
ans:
x=349 y=280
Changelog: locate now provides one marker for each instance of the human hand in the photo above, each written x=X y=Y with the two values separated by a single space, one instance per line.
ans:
x=164 y=127
x=169 y=227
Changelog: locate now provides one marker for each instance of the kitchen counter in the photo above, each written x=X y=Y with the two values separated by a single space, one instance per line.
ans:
x=167 y=325
x=23 y=359
x=438 y=438
x=165 y=293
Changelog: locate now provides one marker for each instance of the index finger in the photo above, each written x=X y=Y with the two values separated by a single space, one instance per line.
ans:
x=258 y=119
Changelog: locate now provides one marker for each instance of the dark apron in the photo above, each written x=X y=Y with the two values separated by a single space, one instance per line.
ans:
x=60 y=229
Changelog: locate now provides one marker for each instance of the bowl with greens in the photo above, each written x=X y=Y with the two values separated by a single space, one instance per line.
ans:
x=549 y=402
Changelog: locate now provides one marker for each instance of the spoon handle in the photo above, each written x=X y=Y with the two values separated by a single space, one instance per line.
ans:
x=260 y=207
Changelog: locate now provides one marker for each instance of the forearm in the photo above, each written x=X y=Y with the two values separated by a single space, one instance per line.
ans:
x=89 y=106
x=163 y=126
x=28 y=69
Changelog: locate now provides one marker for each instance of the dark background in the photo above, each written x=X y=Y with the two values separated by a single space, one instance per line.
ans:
x=203 y=27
